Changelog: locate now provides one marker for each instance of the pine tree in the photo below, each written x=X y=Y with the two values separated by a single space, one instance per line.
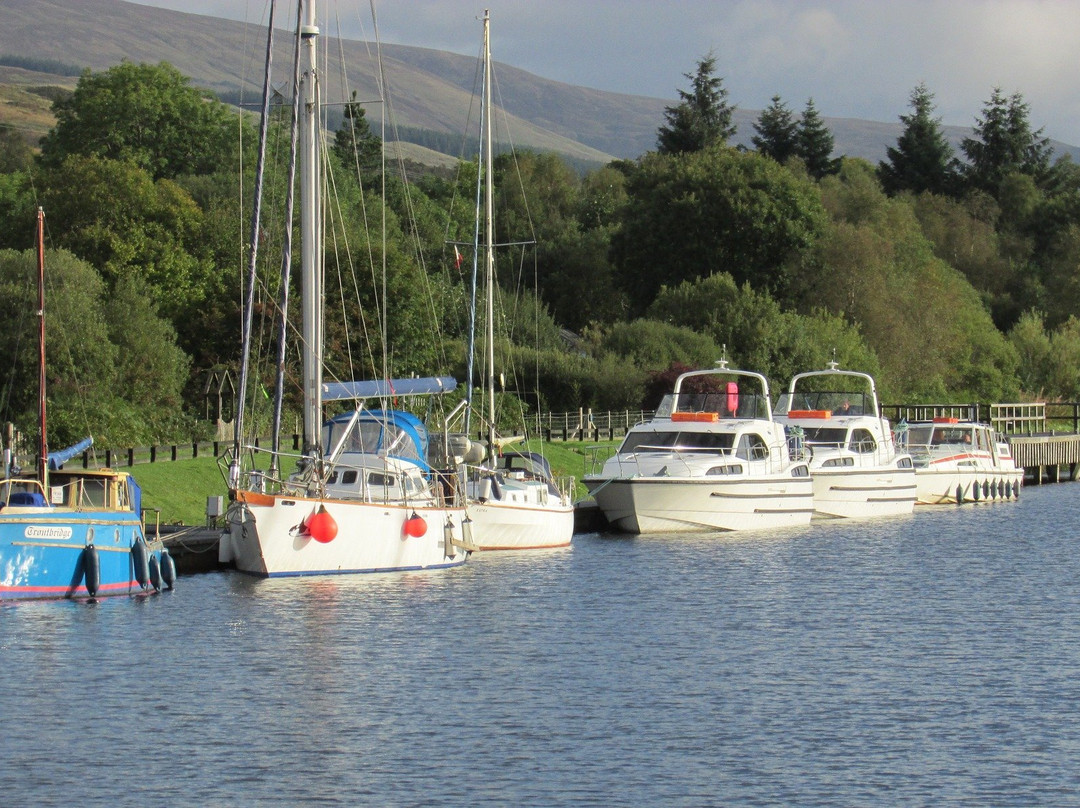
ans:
x=922 y=159
x=815 y=142
x=1004 y=144
x=777 y=132
x=354 y=142
x=702 y=118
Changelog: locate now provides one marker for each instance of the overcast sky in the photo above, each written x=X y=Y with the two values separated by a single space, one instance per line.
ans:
x=855 y=58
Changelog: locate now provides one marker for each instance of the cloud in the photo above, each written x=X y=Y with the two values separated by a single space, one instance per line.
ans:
x=856 y=58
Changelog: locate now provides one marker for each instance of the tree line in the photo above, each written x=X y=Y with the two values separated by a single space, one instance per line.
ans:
x=947 y=276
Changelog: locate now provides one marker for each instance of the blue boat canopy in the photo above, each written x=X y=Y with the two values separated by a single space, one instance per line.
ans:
x=381 y=388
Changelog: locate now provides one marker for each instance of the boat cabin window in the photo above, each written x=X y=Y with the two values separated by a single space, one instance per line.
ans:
x=862 y=441
x=825 y=435
x=377 y=480
x=21 y=493
x=752 y=447
x=982 y=440
x=657 y=441
x=346 y=477
x=951 y=436
x=531 y=464
x=79 y=491
x=415 y=485
x=837 y=462
x=918 y=435
x=716 y=471
x=371 y=435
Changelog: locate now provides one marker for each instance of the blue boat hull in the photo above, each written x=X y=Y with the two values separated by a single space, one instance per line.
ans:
x=45 y=555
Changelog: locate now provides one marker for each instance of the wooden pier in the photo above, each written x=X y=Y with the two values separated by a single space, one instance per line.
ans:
x=1044 y=457
x=193 y=548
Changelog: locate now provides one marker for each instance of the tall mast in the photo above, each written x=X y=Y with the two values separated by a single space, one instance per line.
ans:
x=489 y=235
x=43 y=445
x=310 y=233
x=249 y=298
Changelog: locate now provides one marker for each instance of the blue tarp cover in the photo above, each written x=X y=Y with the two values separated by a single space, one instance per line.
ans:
x=59 y=458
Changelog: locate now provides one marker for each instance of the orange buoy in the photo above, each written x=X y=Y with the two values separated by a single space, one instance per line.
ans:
x=321 y=526
x=415 y=526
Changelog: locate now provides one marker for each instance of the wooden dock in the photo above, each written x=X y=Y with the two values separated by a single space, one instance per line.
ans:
x=194 y=549
x=1045 y=457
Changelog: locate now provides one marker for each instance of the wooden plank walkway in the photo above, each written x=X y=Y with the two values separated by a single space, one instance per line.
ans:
x=1044 y=456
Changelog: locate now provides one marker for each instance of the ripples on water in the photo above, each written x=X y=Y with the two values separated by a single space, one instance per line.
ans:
x=927 y=660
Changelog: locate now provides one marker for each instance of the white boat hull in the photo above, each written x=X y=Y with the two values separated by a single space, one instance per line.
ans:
x=955 y=486
x=863 y=493
x=266 y=537
x=659 y=505
x=500 y=526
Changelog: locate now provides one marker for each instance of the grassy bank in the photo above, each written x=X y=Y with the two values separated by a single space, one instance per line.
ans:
x=179 y=489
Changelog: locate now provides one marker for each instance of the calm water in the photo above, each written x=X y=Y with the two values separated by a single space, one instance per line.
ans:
x=930 y=660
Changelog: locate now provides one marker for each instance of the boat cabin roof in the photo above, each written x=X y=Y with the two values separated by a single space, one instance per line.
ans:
x=100 y=488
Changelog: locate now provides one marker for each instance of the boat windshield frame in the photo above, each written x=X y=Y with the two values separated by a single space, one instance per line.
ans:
x=861 y=396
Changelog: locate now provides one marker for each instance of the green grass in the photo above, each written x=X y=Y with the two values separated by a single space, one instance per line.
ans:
x=569 y=459
x=179 y=489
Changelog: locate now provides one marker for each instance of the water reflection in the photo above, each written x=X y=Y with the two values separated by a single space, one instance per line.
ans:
x=921 y=660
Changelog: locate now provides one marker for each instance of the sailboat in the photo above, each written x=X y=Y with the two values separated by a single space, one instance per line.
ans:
x=72 y=534
x=514 y=501
x=365 y=496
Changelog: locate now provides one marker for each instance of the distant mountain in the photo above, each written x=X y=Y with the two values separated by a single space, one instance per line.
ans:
x=430 y=90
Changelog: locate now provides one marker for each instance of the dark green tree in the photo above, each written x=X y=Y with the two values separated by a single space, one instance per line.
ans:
x=777 y=132
x=653 y=344
x=758 y=333
x=113 y=368
x=355 y=144
x=703 y=116
x=15 y=152
x=148 y=115
x=719 y=210
x=922 y=159
x=114 y=215
x=815 y=142
x=1004 y=143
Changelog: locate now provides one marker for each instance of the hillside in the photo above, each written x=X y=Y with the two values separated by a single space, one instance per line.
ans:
x=429 y=89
